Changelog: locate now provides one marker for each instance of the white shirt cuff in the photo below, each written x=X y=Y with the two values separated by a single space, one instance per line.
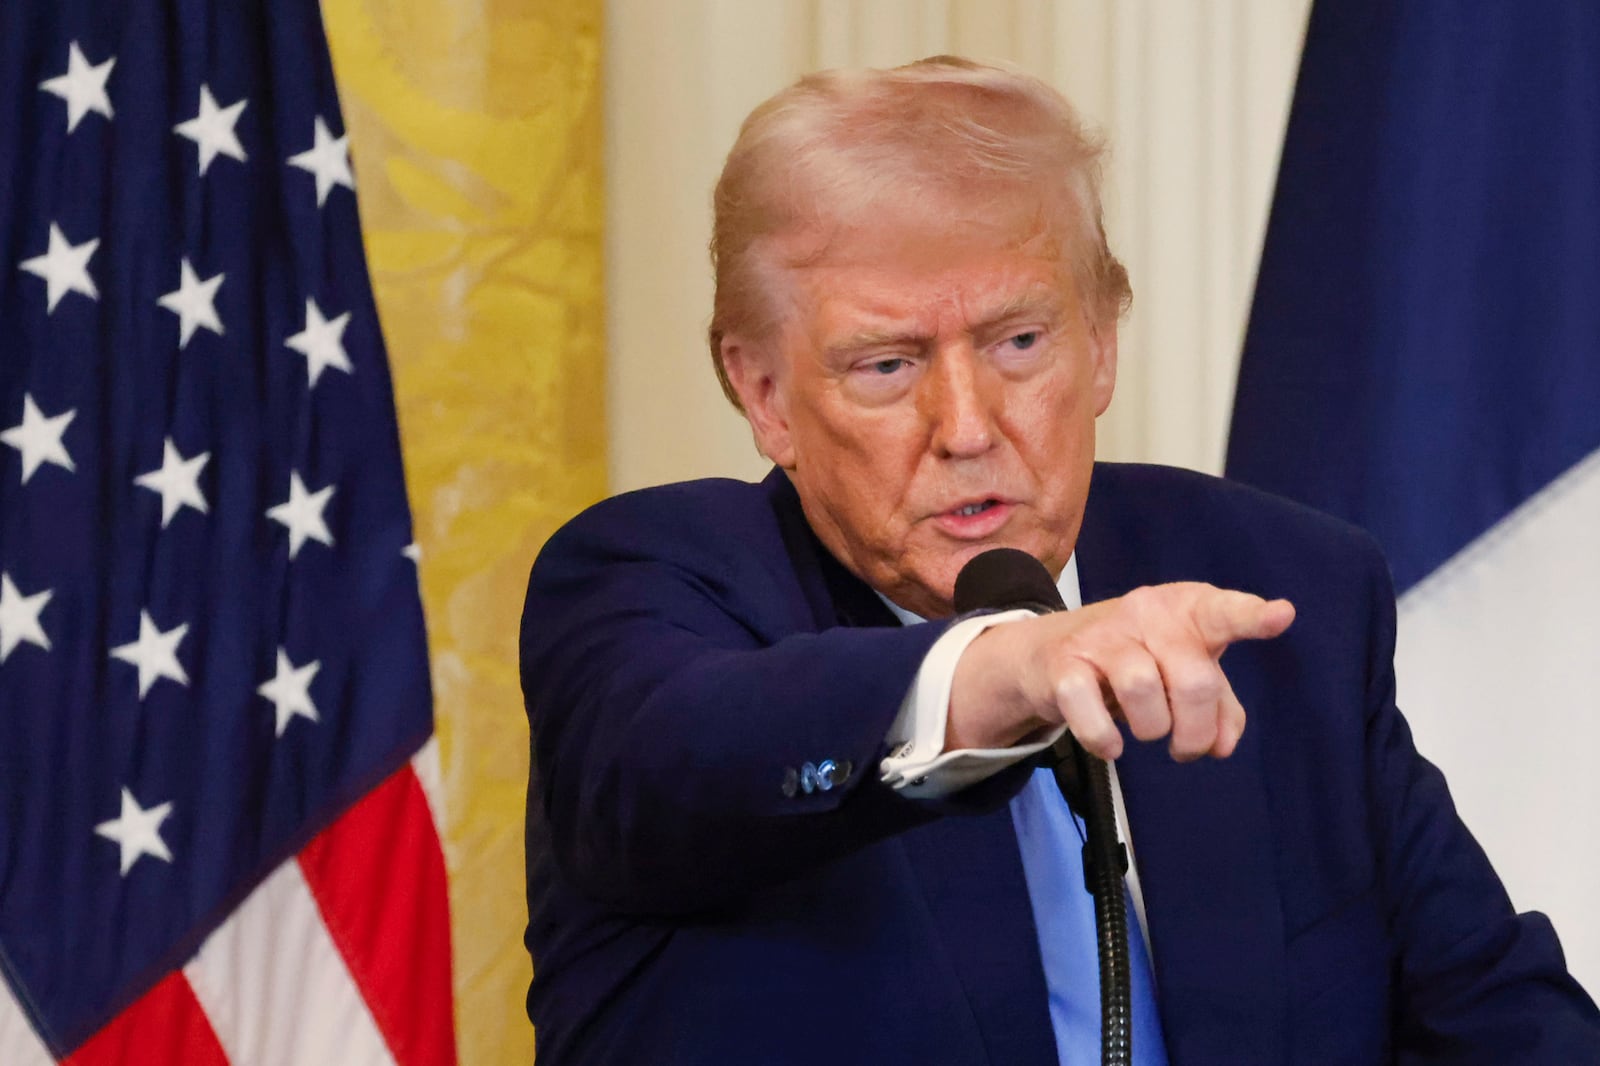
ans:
x=917 y=765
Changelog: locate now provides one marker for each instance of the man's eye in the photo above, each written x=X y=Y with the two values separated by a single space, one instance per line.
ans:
x=1024 y=341
x=885 y=366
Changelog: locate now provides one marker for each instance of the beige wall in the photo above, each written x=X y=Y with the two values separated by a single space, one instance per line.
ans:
x=1193 y=94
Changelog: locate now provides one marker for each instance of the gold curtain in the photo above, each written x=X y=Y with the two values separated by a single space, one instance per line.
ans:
x=475 y=132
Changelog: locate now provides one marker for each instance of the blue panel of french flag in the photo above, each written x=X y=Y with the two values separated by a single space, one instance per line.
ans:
x=1423 y=359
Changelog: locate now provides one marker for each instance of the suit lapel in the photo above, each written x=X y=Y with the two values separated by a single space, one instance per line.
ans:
x=1204 y=848
x=966 y=867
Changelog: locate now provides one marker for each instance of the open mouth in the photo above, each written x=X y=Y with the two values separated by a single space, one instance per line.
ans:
x=974 y=521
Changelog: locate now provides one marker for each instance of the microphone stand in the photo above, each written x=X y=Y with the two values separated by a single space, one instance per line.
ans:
x=1006 y=578
x=1085 y=782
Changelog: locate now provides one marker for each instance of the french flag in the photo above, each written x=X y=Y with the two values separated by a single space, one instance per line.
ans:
x=1423 y=359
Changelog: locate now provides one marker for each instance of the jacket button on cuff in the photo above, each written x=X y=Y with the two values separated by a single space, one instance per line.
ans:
x=791 y=781
x=842 y=770
x=825 y=771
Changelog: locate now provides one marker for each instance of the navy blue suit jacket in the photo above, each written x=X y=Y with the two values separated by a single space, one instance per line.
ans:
x=1312 y=899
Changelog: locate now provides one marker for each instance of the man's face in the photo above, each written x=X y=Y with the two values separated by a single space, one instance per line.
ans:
x=932 y=394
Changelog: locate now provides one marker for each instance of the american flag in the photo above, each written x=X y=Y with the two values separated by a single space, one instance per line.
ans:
x=217 y=783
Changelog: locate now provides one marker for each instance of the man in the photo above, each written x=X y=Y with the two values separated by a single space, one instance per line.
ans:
x=767 y=823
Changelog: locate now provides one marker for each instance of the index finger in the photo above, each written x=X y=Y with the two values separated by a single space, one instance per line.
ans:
x=1226 y=615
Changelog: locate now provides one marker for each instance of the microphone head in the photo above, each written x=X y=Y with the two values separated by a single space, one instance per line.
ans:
x=1004 y=578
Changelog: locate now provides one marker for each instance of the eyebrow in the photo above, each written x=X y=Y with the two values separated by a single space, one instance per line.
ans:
x=1030 y=304
x=882 y=338
x=1026 y=304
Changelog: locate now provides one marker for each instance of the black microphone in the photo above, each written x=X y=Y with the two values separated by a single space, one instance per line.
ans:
x=1005 y=579
x=1009 y=579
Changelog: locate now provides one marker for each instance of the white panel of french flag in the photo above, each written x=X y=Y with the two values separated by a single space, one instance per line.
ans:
x=1423 y=359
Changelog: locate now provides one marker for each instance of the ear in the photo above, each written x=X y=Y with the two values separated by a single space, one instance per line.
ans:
x=756 y=372
x=1103 y=352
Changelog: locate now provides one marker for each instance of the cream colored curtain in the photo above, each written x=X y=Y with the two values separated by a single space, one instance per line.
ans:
x=1192 y=93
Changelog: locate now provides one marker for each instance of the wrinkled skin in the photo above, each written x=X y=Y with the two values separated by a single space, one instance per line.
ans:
x=932 y=393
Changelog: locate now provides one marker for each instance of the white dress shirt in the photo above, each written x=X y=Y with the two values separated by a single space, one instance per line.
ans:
x=918 y=764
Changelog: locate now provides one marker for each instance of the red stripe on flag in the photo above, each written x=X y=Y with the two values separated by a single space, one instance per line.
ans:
x=378 y=875
x=163 y=1026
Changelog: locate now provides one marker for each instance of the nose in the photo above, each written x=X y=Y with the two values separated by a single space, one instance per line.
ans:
x=959 y=405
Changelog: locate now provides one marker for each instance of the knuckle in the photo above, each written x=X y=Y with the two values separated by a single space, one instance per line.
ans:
x=1139 y=683
x=1196 y=685
x=1073 y=682
x=1139 y=597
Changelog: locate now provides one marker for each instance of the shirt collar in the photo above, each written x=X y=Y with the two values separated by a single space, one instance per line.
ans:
x=1071 y=595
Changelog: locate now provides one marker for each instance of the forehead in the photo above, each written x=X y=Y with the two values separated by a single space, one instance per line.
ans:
x=923 y=274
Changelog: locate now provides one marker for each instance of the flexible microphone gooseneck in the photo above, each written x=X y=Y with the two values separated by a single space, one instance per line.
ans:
x=1005 y=579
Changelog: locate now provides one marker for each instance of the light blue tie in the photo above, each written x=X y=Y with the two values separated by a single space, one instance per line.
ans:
x=1051 y=837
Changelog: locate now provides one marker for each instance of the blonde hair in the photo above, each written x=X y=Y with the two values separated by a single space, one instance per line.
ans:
x=841 y=142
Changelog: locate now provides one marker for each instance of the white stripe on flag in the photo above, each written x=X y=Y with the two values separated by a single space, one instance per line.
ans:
x=1499 y=674
x=19 y=1044
x=277 y=990
x=425 y=764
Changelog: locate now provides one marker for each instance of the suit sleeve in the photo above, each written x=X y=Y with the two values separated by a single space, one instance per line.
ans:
x=1477 y=982
x=667 y=732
